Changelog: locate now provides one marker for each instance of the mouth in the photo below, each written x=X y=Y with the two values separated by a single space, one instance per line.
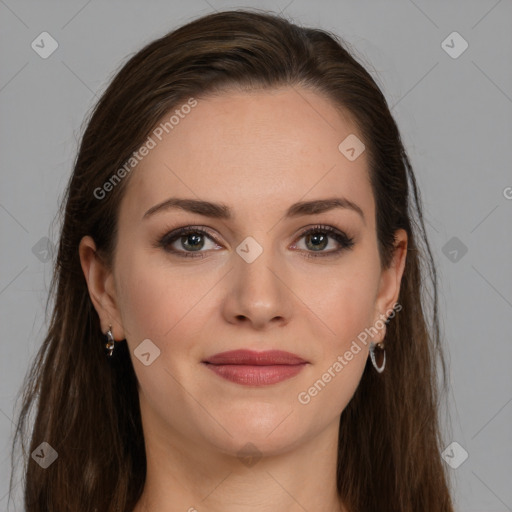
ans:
x=250 y=368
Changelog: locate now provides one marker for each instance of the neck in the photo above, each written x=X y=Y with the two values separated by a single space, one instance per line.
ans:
x=183 y=475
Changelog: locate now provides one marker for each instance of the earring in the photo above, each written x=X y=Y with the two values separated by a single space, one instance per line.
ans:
x=110 y=341
x=382 y=351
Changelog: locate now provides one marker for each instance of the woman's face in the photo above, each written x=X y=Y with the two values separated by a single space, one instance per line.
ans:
x=254 y=280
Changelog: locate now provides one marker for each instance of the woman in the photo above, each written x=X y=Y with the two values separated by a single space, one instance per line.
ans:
x=239 y=318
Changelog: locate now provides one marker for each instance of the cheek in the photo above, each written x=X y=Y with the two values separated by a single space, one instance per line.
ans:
x=149 y=303
x=159 y=301
x=346 y=305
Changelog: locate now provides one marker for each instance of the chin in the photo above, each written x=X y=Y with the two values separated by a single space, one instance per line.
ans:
x=269 y=432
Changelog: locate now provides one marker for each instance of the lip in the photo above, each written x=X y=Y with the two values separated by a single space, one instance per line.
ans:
x=251 y=357
x=252 y=368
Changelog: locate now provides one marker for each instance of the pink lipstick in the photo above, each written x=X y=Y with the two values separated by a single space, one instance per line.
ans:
x=252 y=368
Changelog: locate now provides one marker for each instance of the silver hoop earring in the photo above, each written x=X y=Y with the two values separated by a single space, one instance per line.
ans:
x=110 y=341
x=380 y=347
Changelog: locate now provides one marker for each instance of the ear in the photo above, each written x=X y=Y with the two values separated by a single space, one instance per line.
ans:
x=100 y=282
x=389 y=287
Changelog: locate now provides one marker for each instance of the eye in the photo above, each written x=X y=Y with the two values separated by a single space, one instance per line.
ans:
x=190 y=238
x=317 y=239
x=189 y=241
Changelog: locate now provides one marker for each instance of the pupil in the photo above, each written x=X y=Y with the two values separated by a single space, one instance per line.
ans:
x=195 y=237
x=316 y=238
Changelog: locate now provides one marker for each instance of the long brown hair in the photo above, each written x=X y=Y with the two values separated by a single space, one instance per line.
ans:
x=87 y=405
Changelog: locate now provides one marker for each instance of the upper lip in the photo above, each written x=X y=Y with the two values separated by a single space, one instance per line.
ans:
x=250 y=357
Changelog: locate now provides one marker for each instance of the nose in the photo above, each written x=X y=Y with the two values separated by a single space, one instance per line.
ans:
x=257 y=294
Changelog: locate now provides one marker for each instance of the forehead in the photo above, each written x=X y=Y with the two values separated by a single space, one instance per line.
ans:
x=257 y=150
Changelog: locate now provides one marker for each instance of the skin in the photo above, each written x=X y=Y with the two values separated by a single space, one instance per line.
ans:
x=258 y=152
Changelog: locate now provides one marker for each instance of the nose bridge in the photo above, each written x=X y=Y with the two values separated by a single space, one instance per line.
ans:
x=258 y=292
x=256 y=258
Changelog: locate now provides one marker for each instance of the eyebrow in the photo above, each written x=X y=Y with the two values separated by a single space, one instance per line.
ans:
x=222 y=211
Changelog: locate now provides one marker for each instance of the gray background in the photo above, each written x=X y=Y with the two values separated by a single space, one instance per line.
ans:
x=455 y=116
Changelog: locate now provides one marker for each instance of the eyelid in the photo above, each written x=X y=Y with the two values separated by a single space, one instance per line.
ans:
x=174 y=233
x=344 y=239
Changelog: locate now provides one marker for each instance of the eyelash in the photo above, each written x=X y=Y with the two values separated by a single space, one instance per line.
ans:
x=345 y=241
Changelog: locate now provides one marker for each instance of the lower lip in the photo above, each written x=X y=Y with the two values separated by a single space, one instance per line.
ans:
x=256 y=375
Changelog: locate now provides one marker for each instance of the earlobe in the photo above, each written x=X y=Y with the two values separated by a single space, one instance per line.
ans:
x=100 y=283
